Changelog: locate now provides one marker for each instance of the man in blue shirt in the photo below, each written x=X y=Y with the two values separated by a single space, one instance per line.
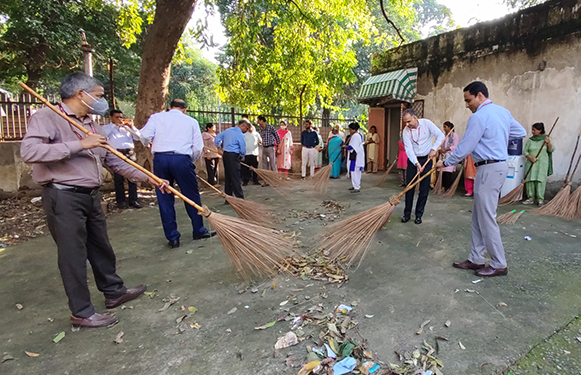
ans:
x=309 y=139
x=486 y=137
x=120 y=137
x=233 y=143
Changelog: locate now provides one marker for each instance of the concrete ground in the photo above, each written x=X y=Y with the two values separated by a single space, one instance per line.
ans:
x=405 y=280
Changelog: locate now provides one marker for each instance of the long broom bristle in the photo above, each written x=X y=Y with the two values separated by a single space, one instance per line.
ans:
x=515 y=217
x=253 y=249
x=321 y=179
x=438 y=188
x=452 y=190
x=573 y=210
x=514 y=196
x=386 y=173
x=503 y=219
x=558 y=205
x=347 y=246
x=273 y=179
x=254 y=212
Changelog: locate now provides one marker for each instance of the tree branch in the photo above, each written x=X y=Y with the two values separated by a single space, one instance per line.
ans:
x=391 y=22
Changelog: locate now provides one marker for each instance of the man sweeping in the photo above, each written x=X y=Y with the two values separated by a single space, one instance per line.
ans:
x=233 y=143
x=421 y=139
x=486 y=138
x=68 y=164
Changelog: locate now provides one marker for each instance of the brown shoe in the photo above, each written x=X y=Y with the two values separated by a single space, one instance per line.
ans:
x=94 y=321
x=131 y=294
x=490 y=272
x=467 y=265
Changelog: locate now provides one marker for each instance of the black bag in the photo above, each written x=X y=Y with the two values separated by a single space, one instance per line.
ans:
x=353 y=155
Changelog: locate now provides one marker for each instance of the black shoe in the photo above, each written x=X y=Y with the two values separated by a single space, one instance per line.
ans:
x=135 y=205
x=122 y=205
x=175 y=243
x=245 y=184
x=405 y=219
x=418 y=220
x=207 y=234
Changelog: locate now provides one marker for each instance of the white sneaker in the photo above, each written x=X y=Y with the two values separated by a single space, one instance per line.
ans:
x=541 y=203
x=528 y=201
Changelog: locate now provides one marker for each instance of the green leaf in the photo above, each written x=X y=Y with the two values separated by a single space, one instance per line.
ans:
x=59 y=337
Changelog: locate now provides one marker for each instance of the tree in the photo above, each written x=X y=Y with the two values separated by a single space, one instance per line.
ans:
x=283 y=55
x=520 y=4
x=40 y=39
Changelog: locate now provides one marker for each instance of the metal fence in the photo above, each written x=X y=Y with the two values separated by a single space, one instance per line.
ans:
x=15 y=113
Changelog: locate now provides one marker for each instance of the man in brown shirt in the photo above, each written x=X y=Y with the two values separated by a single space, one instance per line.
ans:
x=69 y=164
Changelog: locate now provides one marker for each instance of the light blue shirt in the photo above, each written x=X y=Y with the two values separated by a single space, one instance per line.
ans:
x=119 y=137
x=232 y=140
x=487 y=134
x=172 y=131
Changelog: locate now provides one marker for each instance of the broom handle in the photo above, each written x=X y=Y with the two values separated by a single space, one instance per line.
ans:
x=413 y=185
x=109 y=148
x=427 y=161
x=214 y=150
x=572 y=157
x=540 y=150
x=211 y=186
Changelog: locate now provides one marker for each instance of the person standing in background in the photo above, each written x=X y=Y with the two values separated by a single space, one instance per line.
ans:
x=121 y=137
x=541 y=167
x=309 y=140
x=270 y=140
x=253 y=140
x=372 y=150
x=233 y=142
x=449 y=145
x=284 y=149
x=355 y=156
x=211 y=158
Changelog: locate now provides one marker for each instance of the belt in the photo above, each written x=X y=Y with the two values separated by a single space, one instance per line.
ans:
x=484 y=162
x=74 y=189
x=124 y=149
x=165 y=153
x=267 y=146
x=309 y=146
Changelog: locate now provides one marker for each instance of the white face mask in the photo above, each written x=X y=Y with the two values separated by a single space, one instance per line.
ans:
x=98 y=107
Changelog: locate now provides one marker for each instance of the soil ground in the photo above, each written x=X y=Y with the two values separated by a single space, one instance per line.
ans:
x=496 y=325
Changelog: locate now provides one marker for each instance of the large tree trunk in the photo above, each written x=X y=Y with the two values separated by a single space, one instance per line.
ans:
x=171 y=18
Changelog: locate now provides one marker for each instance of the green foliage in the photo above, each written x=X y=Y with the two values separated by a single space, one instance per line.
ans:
x=520 y=4
x=279 y=50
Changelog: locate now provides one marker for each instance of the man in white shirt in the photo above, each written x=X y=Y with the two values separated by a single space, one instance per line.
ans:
x=253 y=140
x=421 y=139
x=176 y=144
x=120 y=136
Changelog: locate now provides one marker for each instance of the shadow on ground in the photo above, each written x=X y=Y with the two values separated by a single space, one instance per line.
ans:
x=406 y=279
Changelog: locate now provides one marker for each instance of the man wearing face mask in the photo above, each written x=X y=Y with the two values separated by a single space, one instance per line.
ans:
x=176 y=143
x=69 y=164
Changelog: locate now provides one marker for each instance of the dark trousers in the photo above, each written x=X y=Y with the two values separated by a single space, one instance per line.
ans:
x=212 y=169
x=232 y=180
x=177 y=168
x=120 y=189
x=411 y=171
x=247 y=173
x=77 y=224
x=447 y=179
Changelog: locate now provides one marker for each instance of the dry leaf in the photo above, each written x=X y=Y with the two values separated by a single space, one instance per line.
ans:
x=195 y=326
x=422 y=327
x=502 y=304
x=369 y=316
x=192 y=309
x=19 y=306
x=309 y=367
x=118 y=339
x=461 y=346
x=289 y=339
x=30 y=354
x=448 y=323
x=232 y=311
x=283 y=303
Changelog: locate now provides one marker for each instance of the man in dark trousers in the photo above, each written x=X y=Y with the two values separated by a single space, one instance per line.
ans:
x=421 y=138
x=486 y=138
x=120 y=136
x=68 y=164
x=232 y=142
x=176 y=144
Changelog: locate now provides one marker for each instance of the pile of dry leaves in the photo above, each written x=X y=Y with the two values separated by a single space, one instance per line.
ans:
x=331 y=211
x=316 y=266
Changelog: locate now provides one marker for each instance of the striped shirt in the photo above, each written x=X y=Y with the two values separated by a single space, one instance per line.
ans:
x=269 y=136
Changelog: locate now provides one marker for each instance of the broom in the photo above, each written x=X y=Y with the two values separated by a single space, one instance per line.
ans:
x=559 y=205
x=269 y=247
x=348 y=246
x=386 y=173
x=516 y=194
x=438 y=188
x=452 y=190
x=272 y=178
x=509 y=218
x=321 y=179
x=257 y=213
x=573 y=210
